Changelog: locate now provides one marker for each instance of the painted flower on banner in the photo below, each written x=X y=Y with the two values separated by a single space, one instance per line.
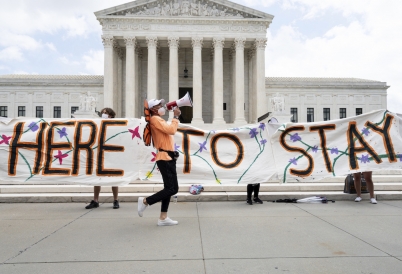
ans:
x=314 y=149
x=253 y=132
x=365 y=131
x=60 y=156
x=295 y=137
x=263 y=141
x=213 y=131
x=400 y=157
x=236 y=129
x=293 y=161
x=135 y=133
x=62 y=132
x=149 y=175
x=154 y=155
x=5 y=139
x=176 y=147
x=365 y=159
x=218 y=181
x=262 y=126
x=33 y=126
x=202 y=146
x=334 y=151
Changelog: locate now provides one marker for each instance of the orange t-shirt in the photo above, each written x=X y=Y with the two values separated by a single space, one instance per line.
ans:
x=162 y=136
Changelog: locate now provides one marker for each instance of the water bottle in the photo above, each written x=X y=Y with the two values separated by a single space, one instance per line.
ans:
x=175 y=199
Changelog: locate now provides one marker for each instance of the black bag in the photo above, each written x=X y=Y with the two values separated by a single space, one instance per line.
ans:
x=173 y=154
x=350 y=185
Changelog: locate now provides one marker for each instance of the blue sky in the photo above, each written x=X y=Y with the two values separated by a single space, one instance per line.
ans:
x=308 y=38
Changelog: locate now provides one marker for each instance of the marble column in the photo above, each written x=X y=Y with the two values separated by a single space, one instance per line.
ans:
x=173 y=70
x=131 y=76
x=48 y=108
x=108 y=71
x=351 y=111
x=197 y=43
x=138 y=89
x=251 y=89
x=116 y=100
x=335 y=111
x=261 y=98
x=152 y=68
x=239 y=78
x=218 y=44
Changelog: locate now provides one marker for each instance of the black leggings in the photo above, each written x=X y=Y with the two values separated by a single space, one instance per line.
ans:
x=250 y=188
x=170 y=184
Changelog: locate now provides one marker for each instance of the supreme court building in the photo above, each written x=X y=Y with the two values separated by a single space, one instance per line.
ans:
x=213 y=49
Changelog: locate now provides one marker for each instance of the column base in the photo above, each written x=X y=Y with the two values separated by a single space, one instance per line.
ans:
x=197 y=121
x=240 y=121
x=219 y=121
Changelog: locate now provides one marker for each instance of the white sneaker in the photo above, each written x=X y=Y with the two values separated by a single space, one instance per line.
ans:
x=373 y=201
x=167 y=221
x=358 y=199
x=141 y=206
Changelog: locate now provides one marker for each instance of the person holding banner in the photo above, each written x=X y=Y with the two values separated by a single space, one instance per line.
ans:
x=370 y=185
x=162 y=138
x=107 y=113
x=256 y=189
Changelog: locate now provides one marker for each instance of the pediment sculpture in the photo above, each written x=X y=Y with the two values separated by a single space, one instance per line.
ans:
x=184 y=8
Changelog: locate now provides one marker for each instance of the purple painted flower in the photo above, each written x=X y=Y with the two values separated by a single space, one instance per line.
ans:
x=176 y=147
x=365 y=131
x=62 y=132
x=365 y=159
x=213 y=131
x=295 y=137
x=334 y=150
x=399 y=156
x=33 y=126
x=262 y=126
x=236 y=129
x=293 y=161
x=202 y=146
x=263 y=142
x=315 y=149
x=253 y=132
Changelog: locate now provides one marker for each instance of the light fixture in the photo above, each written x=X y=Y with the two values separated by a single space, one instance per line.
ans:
x=185 y=64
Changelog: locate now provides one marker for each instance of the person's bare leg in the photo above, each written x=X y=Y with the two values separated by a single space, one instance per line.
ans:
x=115 y=190
x=357 y=180
x=145 y=201
x=163 y=215
x=369 y=181
x=97 y=190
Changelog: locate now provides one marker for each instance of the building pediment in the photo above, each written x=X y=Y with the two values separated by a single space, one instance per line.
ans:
x=184 y=8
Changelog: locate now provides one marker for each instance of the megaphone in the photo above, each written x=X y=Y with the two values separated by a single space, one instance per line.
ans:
x=185 y=101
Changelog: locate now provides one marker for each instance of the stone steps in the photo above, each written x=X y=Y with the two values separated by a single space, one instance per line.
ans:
x=28 y=193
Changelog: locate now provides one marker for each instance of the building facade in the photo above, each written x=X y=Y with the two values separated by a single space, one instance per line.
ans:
x=213 y=49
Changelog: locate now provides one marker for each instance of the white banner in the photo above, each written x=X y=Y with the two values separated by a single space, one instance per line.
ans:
x=112 y=152
x=312 y=151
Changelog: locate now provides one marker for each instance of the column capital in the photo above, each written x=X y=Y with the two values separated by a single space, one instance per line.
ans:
x=197 y=42
x=138 y=50
x=107 y=40
x=152 y=41
x=239 y=43
x=173 y=42
x=261 y=43
x=251 y=52
x=218 y=42
x=130 y=41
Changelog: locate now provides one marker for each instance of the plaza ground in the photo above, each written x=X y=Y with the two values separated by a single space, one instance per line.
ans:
x=212 y=237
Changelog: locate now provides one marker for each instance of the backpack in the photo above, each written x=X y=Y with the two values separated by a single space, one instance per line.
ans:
x=196 y=189
x=349 y=186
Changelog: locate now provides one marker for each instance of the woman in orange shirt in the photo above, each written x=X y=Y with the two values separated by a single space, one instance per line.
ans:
x=162 y=137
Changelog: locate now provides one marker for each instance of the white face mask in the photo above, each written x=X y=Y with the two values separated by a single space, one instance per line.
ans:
x=161 y=111
x=105 y=116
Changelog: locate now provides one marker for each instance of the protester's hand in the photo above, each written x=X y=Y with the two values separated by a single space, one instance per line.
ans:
x=176 y=112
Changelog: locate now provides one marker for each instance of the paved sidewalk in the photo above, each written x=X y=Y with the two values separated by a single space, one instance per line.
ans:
x=212 y=237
